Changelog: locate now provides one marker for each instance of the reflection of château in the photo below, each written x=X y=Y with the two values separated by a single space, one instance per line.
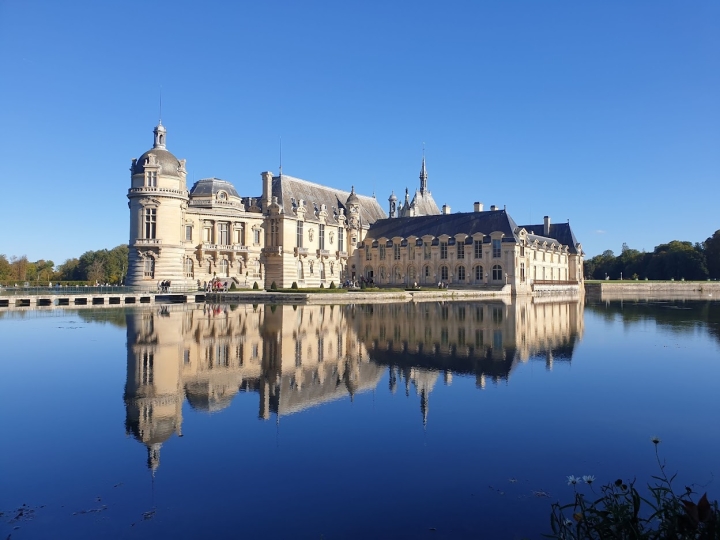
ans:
x=294 y=357
x=297 y=357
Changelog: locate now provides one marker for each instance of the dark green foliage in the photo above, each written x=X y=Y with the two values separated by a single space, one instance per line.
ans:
x=712 y=255
x=232 y=286
x=332 y=285
x=675 y=260
x=362 y=285
x=294 y=285
x=322 y=285
x=256 y=286
x=622 y=512
x=273 y=286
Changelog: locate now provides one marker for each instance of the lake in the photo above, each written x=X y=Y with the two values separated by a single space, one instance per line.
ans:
x=419 y=420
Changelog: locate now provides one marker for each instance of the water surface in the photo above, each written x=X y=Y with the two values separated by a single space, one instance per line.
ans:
x=437 y=420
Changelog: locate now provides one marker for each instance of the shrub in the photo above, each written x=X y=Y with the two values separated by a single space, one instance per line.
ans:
x=332 y=285
x=232 y=286
x=322 y=285
x=621 y=512
x=362 y=285
x=256 y=286
x=294 y=285
x=273 y=286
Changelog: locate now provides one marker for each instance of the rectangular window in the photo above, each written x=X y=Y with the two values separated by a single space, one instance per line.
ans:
x=522 y=271
x=341 y=239
x=186 y=357
x=497 y=248
x=299 y=234
x=237 y=233
x=206 y=234
x=411 y=250
x=396 y=252
x=368 y=255
x=478 y=249
x=150 y=222
x=522 y=250
x=382 y=251
x=151 y=178
x=224 y=233
x=427 y=247
x=188 y=233
x=256 y=236
x=443 y=250
x=461 y=250
x=321 y=236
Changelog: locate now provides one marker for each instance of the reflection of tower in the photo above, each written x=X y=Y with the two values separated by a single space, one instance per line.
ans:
x=424 y=381
x=153 y=393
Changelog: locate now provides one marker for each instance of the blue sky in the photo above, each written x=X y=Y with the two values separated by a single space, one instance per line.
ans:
x=603 y=113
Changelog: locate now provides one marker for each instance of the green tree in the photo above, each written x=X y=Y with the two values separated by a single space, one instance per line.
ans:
x=712 y=255
x=5 y=268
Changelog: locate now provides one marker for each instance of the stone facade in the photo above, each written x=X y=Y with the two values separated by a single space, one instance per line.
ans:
x=299 y=232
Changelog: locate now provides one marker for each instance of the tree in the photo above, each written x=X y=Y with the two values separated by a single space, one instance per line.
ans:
x=5 y=268
x=712 y=255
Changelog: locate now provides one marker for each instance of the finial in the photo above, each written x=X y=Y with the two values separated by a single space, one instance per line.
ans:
x=281 y=157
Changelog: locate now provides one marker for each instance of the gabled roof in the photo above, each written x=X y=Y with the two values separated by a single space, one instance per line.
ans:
x=449 y=224
x=287 y=188
x=424 y=204
x=558 y=231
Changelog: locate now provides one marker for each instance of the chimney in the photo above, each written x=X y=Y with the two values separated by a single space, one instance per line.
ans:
x=478 y=207
x=445 y=209
x=267 y=189
x=493 y=208
x=546 y=226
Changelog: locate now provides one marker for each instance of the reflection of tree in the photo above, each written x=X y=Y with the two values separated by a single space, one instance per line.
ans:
x=116 y=317
x=677 y=316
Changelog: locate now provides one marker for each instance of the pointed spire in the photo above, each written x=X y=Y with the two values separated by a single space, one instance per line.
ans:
x=423 y=173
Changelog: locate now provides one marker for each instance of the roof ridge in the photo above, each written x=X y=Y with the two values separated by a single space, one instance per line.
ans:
x=322 y=186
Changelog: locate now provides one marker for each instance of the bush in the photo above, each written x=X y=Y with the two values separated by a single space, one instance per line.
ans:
x=362 y=285
x=256 y=286
x=294 y=285
x=232 y=286
x=332 y=285
x=322 y=285
x=621 y=512
x=273 y=286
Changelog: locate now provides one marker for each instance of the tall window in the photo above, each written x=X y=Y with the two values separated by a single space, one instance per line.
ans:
x=382 y=251
x=478 y=273
x=207 y=234
x=188 y=233
x=396 y=252
x=322 y=271
x=300 y=271
x=368 y=255
x=461 y=249
x=444 y=273
x=151 y=178
x=522 y=271
x=224 y=268
x=341 y=239
x=224 y=234
x=146 y=375
x=321 y=236
x=478 y=249
x=188 y=267
x=411 y=250
x=238 y=236
x=461 y=273
x=443 y=250
x=274 y=239
x=150 y=222
x=256 y=236
x=496 y=247
x=299 y=241
x=149 y=267
x=427 y=250
x=497 y=273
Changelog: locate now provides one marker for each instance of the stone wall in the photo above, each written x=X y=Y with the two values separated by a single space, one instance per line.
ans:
x=639 y=290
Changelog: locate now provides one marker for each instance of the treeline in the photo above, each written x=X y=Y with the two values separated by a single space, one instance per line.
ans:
x=102 y=266
x=674 y=260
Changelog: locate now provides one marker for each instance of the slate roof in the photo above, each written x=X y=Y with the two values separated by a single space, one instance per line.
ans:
x=562 y=232
x=449 y=224
x=286 y=188
x=424 y=204
x=169 y=164
x=208 y=187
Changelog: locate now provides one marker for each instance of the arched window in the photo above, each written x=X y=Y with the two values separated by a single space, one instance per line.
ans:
x=461 y=273
x=188 y=267
x=497 y=274
x=444 y=273
x=300 y=271
x=149 y=267
x=224 y=268
x=478 y=274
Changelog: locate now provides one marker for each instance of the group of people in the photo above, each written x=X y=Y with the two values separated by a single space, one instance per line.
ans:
x=215 y=285
x=164 y=286
x=355 y=283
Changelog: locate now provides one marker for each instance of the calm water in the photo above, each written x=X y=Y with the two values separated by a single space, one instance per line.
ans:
x=431 y=420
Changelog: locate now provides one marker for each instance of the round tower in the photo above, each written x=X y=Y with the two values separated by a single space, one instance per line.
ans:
x=158 y=199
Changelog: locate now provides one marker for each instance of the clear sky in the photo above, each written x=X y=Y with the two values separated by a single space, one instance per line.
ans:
x=603 y=113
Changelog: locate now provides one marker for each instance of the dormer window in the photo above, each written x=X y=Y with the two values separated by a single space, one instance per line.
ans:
x=151 y=178
x=222 y=196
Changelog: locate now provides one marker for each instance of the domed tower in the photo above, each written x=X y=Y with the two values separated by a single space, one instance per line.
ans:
x=158 y=200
